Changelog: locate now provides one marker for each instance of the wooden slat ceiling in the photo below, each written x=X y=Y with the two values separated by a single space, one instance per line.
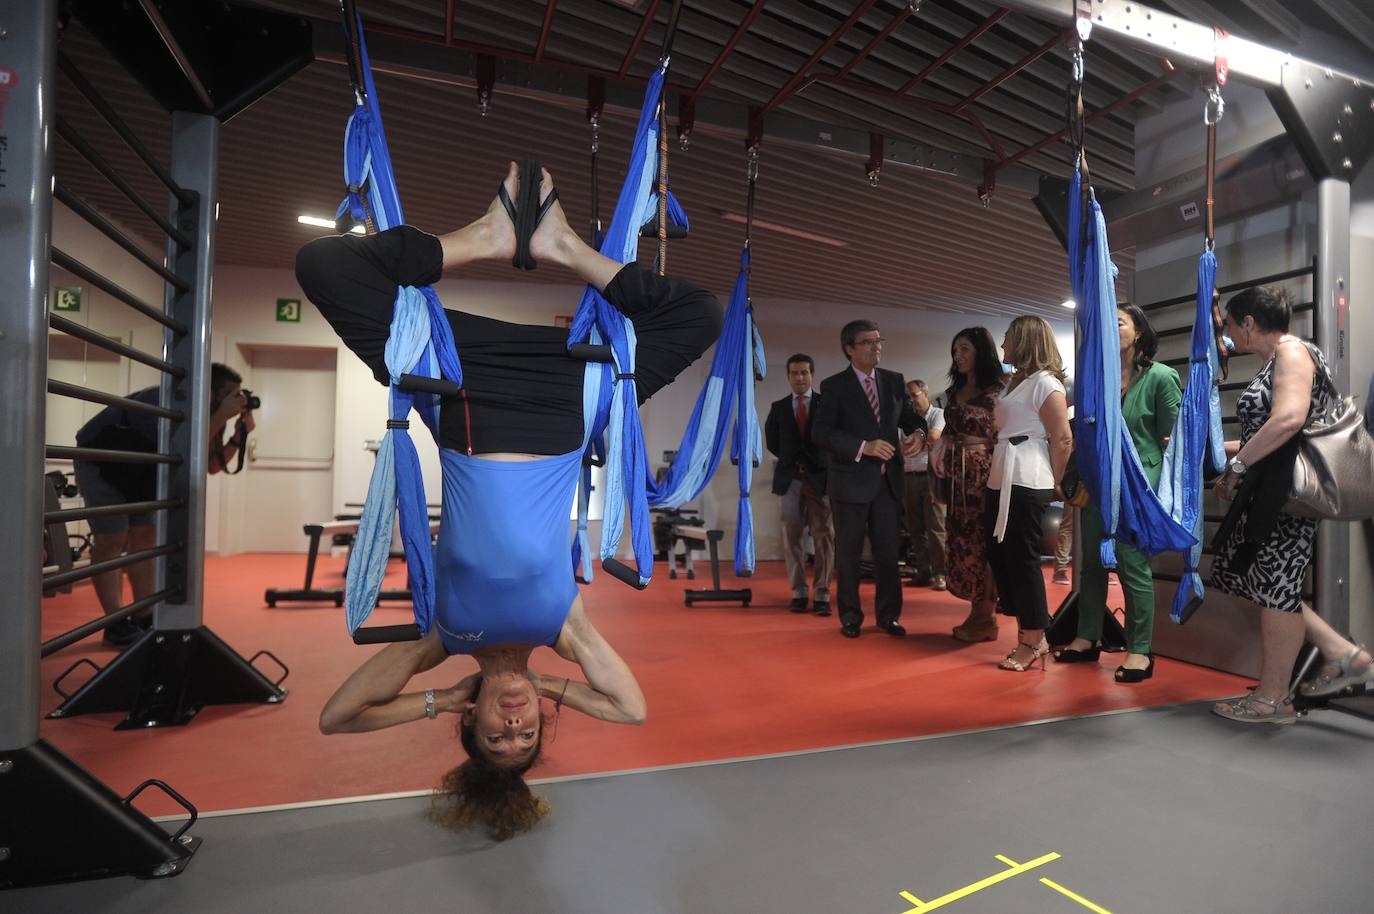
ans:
x=918 y=240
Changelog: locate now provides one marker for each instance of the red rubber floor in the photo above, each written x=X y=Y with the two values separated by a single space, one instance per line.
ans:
x=722 y=681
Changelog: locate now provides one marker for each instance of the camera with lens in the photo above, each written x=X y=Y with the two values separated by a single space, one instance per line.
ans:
x=251 y=400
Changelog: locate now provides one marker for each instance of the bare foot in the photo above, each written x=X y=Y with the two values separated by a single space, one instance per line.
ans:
x=496 y=228
x=553 y=235
x=1078 y=644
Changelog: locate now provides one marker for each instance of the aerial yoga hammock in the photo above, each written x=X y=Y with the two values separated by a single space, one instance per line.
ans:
x=1197 y=430
x=422 y=360
x=1107 y=460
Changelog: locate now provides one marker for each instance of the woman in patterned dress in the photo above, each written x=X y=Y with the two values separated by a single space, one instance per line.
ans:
x=1289 y=392
x=961 y=458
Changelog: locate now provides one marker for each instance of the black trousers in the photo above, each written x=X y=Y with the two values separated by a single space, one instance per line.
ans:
x=523 y=392
x=1016 y=560
x=876 y=519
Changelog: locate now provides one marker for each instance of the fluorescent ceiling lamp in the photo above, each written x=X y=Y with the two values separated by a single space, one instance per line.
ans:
x=785 y=230
x=327 y=223
x=1069 y=303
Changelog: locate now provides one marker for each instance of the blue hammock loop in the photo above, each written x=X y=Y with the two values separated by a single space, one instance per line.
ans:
x=1107 y=459
x=1197 y=436
x=420 y=343
x=729 y=388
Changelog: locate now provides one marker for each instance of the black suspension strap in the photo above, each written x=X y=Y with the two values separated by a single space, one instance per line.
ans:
x=665 y=58
x=1210 y=116
x=596 y=100
x=1077 y=124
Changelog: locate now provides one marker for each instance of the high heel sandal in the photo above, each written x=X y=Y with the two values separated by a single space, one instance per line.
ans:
x=1038 y=652
x=1345 y=677
x=1127 y=674
x=1087 y=655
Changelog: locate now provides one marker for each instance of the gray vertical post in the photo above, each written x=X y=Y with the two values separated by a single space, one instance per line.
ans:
x=1331 y=297
x=27 y=50
x=195 y=167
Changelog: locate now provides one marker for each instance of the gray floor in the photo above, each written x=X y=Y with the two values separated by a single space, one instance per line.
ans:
x=1166 y=810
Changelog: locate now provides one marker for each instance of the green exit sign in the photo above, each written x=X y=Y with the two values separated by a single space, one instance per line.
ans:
x=66 y=298
x=289 y=309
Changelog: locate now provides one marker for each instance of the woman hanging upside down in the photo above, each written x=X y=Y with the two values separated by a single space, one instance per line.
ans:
x=511 y=450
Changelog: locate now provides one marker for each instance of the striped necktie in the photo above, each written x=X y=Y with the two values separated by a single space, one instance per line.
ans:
x=873 y=398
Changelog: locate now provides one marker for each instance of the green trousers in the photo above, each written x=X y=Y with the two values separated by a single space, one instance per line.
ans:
x=1133 y=570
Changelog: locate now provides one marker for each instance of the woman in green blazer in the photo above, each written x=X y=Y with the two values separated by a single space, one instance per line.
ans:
x=1149 y=404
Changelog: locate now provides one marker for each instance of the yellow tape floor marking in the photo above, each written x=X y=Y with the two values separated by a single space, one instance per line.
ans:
x=1097 y=909
x=1015 y=869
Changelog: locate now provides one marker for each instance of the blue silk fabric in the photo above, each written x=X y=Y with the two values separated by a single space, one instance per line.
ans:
x=501 y=561
x=1107 y=459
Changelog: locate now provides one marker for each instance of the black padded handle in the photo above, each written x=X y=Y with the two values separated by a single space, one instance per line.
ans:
x=619 y=570
x=385 y=634
x=588 y=352
x=651 y=230
x=421 y=384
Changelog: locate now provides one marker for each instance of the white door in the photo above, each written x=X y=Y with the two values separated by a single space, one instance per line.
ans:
x=288 y=475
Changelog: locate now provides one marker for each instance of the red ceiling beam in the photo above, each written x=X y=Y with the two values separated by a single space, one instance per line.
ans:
x=639 y=39
x=869 y=89
x=790 y=87
x=988 y=138
x=962 y=43
x=490 y=51
x=549 y=8
x=1144 y=90
x=1015 y=68
x=730 y=46
x=878 y=39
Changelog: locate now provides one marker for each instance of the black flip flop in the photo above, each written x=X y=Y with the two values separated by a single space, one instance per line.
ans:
x=528 y=212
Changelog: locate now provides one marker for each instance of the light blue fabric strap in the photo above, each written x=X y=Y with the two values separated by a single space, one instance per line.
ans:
x=1107 y=459
x=420 y=343
x=1198 y=425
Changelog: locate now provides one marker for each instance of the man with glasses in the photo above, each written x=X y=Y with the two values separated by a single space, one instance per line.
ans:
x=865 y=424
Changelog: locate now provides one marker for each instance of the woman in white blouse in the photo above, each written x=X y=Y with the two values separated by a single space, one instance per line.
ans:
x=1033 y=445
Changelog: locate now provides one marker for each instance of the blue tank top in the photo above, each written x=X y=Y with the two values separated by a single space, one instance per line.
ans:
x=502 y=567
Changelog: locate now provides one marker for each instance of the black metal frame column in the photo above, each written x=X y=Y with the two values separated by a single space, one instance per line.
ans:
x=58 y=822
x=1331 y=300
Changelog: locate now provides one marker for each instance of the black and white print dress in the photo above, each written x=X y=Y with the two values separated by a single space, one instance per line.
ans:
x=1275 y=578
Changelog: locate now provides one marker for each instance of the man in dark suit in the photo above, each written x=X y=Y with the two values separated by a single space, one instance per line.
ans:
x=799 y=478
x=863 y=414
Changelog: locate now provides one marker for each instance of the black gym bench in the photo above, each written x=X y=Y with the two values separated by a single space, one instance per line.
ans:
x=311 y=594
x=690 y=534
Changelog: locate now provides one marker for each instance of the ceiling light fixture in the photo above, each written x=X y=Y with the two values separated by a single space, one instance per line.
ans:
x=327 y=223
x=786 y=230
x=1068 y=303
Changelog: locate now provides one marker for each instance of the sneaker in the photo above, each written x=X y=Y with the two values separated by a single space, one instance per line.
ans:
x=1061 y=576
x=938 y=583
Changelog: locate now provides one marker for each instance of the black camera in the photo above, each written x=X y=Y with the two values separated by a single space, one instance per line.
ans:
x=251 y=401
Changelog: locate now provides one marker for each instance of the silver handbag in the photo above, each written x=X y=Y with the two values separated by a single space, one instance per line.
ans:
x=1333 y=477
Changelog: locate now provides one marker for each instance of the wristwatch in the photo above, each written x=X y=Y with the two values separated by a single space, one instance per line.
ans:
x=430 y=711
x=1237 y=466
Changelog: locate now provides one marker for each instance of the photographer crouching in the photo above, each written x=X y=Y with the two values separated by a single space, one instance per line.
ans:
x=102 y=484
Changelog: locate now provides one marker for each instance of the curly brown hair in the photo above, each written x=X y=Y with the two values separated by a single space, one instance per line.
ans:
x=481 y=794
